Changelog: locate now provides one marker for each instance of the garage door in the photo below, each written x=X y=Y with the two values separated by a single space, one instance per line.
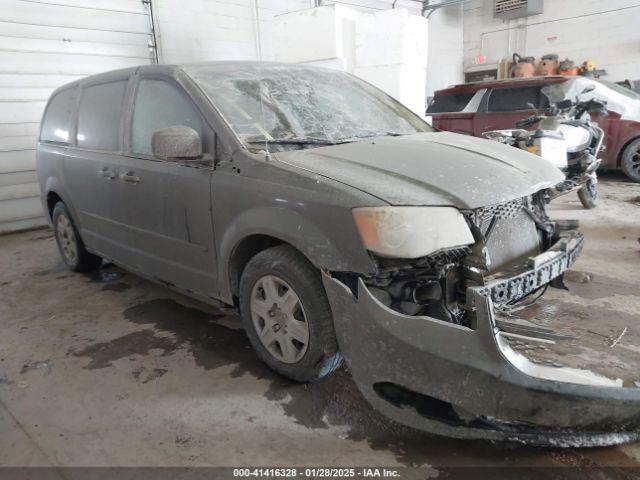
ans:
x=45 y=44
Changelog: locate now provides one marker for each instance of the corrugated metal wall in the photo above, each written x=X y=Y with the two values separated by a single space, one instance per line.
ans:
x=45 y=44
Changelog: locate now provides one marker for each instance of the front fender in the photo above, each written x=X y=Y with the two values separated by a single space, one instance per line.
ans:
x=336 y=250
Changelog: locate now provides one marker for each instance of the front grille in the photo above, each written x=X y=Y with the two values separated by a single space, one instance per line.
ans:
x=483 y=216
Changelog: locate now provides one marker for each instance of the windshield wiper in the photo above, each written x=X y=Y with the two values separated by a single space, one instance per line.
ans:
x=371 y=135
x=295 y=141
x=318 y=140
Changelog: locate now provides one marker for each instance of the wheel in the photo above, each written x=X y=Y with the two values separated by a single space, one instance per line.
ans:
x=630 y=162
x=286 y=314
x=71 y=247
x=588 y=194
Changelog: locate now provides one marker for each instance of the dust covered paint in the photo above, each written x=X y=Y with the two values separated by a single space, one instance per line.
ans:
x=275 y=159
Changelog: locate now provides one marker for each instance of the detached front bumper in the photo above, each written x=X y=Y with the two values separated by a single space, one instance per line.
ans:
x=468 y=382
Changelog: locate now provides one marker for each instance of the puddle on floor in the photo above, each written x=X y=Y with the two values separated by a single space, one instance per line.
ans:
x=334 y=402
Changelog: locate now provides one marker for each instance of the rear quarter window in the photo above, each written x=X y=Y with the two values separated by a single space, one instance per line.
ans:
x=99 y=116
x=517 y=98
x=446 y=103
x=56 y=123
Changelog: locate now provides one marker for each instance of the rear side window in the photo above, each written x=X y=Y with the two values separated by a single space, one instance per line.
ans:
x=160 y=105
x=518 y=98
x=56 y=123
x=99 y=116
x=450 y=102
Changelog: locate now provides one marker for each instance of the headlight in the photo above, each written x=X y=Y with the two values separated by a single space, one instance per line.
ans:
x=577 y=138
x=411 y=232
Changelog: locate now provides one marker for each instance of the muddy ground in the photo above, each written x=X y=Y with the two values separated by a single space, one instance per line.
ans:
x=109 y=369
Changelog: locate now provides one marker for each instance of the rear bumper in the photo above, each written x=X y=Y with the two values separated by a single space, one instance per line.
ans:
x=468 y=383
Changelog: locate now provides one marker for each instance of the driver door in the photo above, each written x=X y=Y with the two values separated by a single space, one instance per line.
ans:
x=166 y=204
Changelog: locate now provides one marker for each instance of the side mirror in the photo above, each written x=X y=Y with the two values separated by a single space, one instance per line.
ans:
x=176 y=143
x=588 y=89
x=564 y=104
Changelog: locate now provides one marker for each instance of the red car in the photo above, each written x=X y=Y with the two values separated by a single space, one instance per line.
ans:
x=474 y=108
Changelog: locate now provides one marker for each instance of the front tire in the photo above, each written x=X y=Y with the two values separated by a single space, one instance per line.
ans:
x=286 y=314
x=72 y=249
x=588 y=194
x=630 y=161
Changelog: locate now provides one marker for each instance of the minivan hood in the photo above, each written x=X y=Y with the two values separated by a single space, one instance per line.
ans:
x=435 y=168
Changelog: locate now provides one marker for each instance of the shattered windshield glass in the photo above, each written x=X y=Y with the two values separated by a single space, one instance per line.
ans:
x=298 y=105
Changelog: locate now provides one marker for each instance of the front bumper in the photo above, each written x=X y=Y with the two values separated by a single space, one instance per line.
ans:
x=467 y=382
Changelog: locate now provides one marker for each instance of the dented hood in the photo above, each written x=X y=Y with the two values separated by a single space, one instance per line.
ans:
x=436 y=168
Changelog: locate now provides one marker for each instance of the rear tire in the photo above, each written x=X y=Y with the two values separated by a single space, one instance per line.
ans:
x=72 y=249
x=588 y=194
x=286 y=314
x=630 y=161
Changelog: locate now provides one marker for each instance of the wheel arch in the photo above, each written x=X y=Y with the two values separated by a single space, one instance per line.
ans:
x=244 y=251
x=52 y=198
x=258 y=229
x=55 y=192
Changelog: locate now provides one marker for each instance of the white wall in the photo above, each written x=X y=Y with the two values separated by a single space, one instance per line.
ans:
x=445 y=66
x=202 y=30
x=607 y=32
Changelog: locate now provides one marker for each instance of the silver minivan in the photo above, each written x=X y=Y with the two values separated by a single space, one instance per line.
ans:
x=341 y=225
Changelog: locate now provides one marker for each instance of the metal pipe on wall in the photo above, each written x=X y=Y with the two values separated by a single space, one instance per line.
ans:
x=526 y=25
x=154 y=40
x=255 y=13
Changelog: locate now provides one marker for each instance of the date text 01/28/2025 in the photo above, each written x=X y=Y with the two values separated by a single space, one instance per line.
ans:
x=315 y=472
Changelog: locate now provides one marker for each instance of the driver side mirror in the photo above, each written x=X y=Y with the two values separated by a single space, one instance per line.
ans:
x=178 y=143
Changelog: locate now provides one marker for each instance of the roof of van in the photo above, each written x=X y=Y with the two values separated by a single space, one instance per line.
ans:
x=209 y=66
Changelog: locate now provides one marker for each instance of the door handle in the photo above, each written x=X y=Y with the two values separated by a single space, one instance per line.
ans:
x=130 y=177
x=105 y=172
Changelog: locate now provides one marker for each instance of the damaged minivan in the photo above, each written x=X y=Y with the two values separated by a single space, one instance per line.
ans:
x=341 y=225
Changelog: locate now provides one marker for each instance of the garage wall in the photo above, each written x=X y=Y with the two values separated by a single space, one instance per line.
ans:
x=445 y=66
x=201 y=30
x=606 y=32
x=45 y=44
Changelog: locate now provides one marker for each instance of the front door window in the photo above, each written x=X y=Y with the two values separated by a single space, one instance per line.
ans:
x=160 y=105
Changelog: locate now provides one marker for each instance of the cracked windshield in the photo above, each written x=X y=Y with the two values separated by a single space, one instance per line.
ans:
x=281 y=108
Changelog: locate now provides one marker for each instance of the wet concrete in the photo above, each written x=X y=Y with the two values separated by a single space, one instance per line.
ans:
x=102 y=354
x=116 y=287
x=130 y=373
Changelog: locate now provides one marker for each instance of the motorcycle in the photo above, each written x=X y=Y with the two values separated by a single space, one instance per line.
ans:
x=568 y=139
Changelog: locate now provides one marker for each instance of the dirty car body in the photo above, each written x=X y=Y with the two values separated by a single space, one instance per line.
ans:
x=426 y=241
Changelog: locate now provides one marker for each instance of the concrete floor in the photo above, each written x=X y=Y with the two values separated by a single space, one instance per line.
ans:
x=111 y=370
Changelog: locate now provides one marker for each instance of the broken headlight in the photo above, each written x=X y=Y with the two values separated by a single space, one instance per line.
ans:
x=411 y=232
